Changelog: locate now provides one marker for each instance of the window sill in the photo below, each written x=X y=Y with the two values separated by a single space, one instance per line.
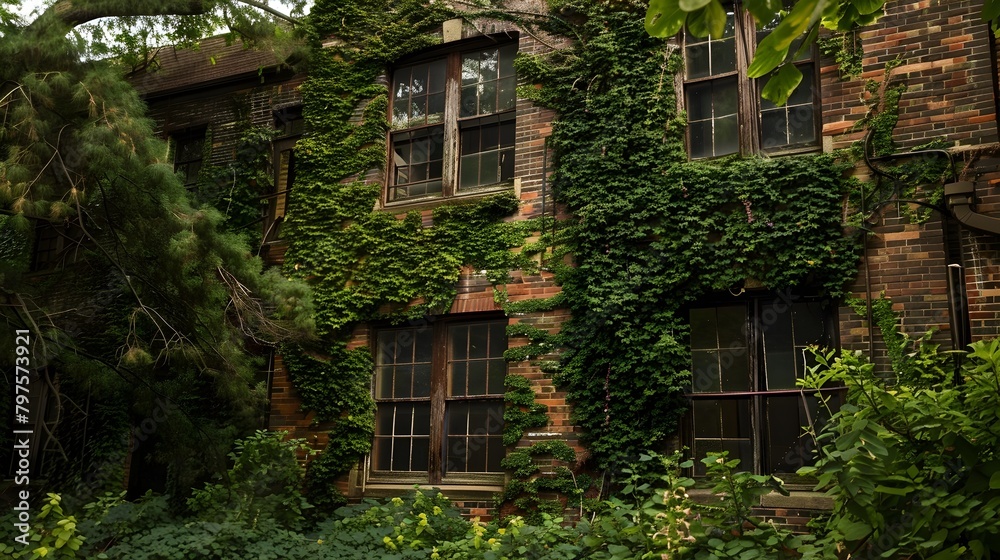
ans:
x=428 y=203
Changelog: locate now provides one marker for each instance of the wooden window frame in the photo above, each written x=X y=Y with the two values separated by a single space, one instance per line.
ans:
x=180 y=138
x=757 y=307
x=749 y=101
x=289 y=124
x=451 y=124
x=436 y=472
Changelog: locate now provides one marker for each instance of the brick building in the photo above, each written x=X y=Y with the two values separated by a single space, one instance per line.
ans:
x=929 y=64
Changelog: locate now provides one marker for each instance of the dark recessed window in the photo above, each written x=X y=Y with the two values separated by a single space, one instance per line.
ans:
x=439 y=394
x=189 y=151
x=745 y=360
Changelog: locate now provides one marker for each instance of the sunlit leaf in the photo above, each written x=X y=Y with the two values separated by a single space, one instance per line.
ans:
x=866 y=7
x=991 y=10
x=763 y=10
x=715 y=19
x=664 y=18
x=692 y=5
x=781 y=85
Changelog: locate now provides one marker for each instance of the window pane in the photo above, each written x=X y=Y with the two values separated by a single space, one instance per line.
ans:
x=458 y=342
x=723 y=56
x=732 y=321
x=383 y=382
x=422 y=419
x=490 y=137
x=420 y=453
x=696 y=60
x=402 y=424
x=382 y=454
x=487 y=98
x=489 y=168
x=701 y=139
x=699 y=101
x=801 y=126
x=726 y=136
x=477 y=377
x=705 y=374
x=507 y=164
x=773 y=128
x=489 y=64
x=402 y=386
x=470 y=140
x=707 y=418
x=470 y=70
x=725 y=97
x=422 y=380
x=779 y=360
x=497 y=372
x=507 y=131
x=735 y=367
x=401 y=454
x=804 y=93
x=479 y=340
x=458 y=379
x=703 y=328
x=787 y=446
x=436 y=79
x=736 y=418
x=506 y=94
x=435 y=107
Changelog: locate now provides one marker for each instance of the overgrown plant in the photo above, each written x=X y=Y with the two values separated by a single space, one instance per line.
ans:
x=912 y=459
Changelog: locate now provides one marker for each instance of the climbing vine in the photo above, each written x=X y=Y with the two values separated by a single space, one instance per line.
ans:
x=653 y=232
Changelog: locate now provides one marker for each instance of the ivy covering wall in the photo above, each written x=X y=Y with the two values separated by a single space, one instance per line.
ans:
x=653 y=232
x=650 y=233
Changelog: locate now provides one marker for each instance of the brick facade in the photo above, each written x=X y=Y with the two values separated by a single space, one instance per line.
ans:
x=939 y=49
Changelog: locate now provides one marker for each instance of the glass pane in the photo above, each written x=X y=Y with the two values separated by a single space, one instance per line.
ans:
x=420 y=451
x=458 y=342
x=489 y=64
x=469 y=107
x=699 y=101
x=422 y=380
x=383 y=420
x=457 y=449
x=788 y=448
x=705 y=371
x=402 y=387
x=469 y=171
x=725 y=97
x=494 y=454
x=701 y=450
x=507 y=134
x=726 y=136
x=458 y=379
x=490 y=137
x=735 y=365
x=507 y=94
x=402 y=423
x=477 y=377
x=801 y=127
x=703 y=328
x=497 y=372
x=418 y=109
x=401 y=454
x=809 y=320
x=477 y=455
x=696 y=61
x=779 y=358
x=423 y=345
x=470 y=141
x=732 y=326
x=489 y=168
x=436 y=76
x=701 y=139
x=773 y=131
x=419 y=82
x=383 y=382
x=470 y=69
x=435 y=107
x=507 y=53
x=383 y=454
x=736 y=418
x=723 y=56
x=478 y=340
x=507 y=164
x=488 y=98
x=707 y=418
x=458 y=418
x=422 y=419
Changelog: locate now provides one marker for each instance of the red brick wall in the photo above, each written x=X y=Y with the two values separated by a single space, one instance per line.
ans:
x=944 y=55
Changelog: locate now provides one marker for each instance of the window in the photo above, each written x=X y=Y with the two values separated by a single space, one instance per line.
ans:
x=452 y=123
x=56 y=246
x=745 y=358
x=188 y=153
x=726 y=114
x=439 y=396
x=289 y=125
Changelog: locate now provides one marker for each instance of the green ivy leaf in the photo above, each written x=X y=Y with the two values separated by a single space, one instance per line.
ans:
x=866 y=7
x=664 y=18
x=781 y=85
x=692 y=5
x=991 y=10
x=774 y=48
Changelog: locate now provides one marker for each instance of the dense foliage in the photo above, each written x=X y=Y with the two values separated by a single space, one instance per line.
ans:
x=652 y=232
